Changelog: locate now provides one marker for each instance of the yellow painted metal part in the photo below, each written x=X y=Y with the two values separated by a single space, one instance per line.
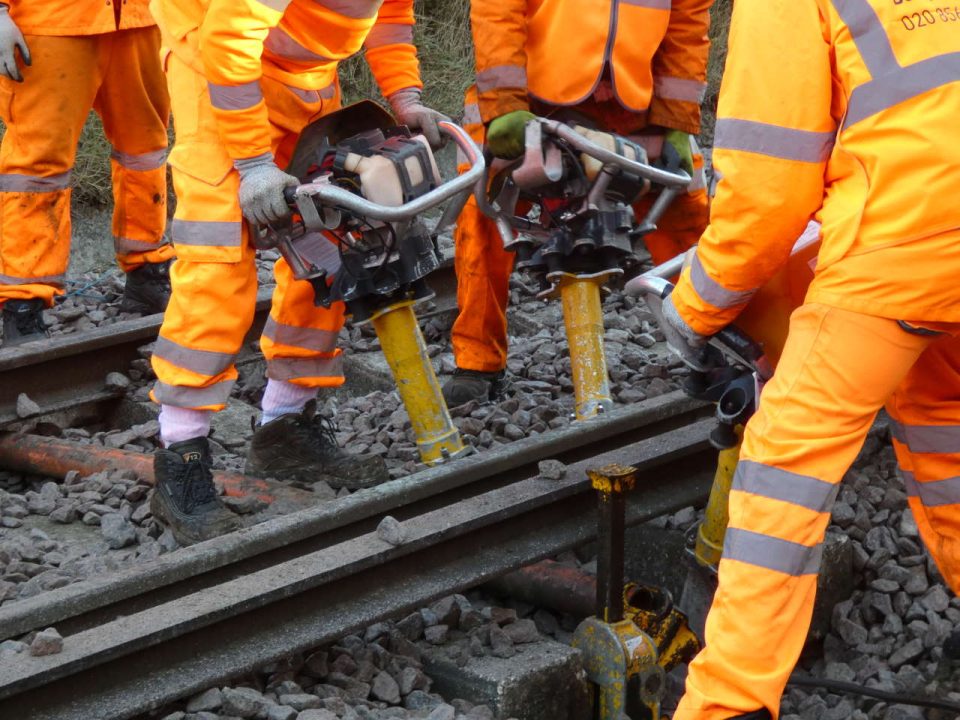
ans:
x=583 y=318
x=665 y=624
x=406 y=352
x=709 y=546
x=613 y=478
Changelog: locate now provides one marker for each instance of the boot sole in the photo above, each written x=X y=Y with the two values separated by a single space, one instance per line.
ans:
x=293 y=477
x=162 y=511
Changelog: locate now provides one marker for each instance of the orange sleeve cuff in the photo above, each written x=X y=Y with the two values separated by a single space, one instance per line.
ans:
x=245 y=133
x=495 y=103
x=395 y=67
x=698 y=314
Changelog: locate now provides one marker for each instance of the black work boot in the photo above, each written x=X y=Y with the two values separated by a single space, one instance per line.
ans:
x=302 y=448
x=147 y=289
x=23 y=322
x=185 y=497
x=468 y=385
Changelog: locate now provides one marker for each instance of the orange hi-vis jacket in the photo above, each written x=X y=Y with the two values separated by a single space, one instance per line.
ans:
x=296 y=42
x=846 y=109
x=654 y=53
x=79 y=17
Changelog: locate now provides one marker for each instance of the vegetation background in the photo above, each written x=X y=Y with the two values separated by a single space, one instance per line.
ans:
x=446 y=56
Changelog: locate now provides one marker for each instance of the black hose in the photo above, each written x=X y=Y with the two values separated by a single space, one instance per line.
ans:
x=805 y=681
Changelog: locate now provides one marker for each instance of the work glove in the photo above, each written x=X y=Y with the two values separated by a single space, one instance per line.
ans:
x=506 y=135
x=685 y=342
x=11 y=39
x=680 y=142
x=410 y=111
x=261 y=190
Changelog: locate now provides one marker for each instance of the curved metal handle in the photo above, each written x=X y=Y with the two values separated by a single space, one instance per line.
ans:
x=608 y=157
x=341 y=199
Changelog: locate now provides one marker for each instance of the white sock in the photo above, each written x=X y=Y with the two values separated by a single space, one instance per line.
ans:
x=282 y=397
x=178 y=424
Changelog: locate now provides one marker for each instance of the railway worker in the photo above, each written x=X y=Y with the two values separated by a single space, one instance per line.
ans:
x=636 y=69
x=246 y=76
x=57 y=61
x=846 y=109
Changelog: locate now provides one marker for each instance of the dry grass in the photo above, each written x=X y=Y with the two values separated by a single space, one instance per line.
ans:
x=446 y=58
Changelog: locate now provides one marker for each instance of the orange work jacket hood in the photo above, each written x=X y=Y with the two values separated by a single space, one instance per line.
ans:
x=79 y=17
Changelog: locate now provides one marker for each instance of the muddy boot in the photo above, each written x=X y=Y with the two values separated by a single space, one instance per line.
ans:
x=23 y=322
x=302 y=448
x=147 y=289
x=185 y=498
x=468 y=385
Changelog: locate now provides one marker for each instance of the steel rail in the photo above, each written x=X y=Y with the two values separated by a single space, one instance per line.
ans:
x=203 y=635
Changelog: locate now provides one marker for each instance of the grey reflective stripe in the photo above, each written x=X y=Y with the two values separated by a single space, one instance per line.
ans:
x=202 y=362
x=501 y=76
x=123 y=245
x=301 y=337
x=285 y=368
x=773 y=140
x=206 y=234
x=282 y=44
x=278 y=5
x=928 y=438
x=39 y=280
x=771 y=553
x=356 y=9
x=143 y=162
x=712 y=292
x=901 y=85
x=235 y=97
x=193 y=397
x=654 y=4
x=34 y=183
x=471 y=114
x=682 y=89
x=934 y=493
x=869 y=35
x=389 y=34
x=776 y=484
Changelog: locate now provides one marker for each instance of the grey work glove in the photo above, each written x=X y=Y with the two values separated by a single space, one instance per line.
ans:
x=11 y=39
x=261 y=190
x=685 y=342
x=410 y=111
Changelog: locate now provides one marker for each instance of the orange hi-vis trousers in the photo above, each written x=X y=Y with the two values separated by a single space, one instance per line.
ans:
x=215 y=276
x=838 y=369
x=483 y=267
x=117 y=74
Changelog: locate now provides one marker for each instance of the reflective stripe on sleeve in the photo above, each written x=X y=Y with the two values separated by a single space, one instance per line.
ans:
x=202 y=233
x=286 y=368
x=282 y=44
x=471 y=114
x=928 y=438
x=235 y=97
x=356 y=9
x=201 y=362
x=193 y=397
x=143 y=162
x=15 y=182
x=38 y=280
x=772 y=553
x=300 y=337
x=776 y=484
x=502 y=76
x=652 y=4
x=389 y=34
x=682 y=89
x=712 y=292
x=933 y=493
x=773 y=141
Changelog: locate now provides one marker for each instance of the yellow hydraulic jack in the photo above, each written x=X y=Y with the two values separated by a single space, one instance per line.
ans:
x=403 y=346
x=637 y=635
x=583 y=319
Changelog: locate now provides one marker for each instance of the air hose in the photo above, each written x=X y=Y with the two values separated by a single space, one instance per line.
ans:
x=805 y=681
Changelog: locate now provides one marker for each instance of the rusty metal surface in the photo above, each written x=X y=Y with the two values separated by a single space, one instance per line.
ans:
x=225 y=621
